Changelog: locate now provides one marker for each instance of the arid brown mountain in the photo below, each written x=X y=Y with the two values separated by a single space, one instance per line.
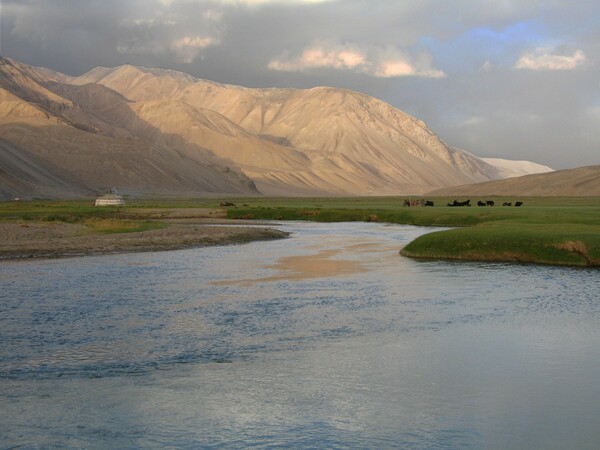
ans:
x=320 y=140
x=580 y=182
x=22 y=172
x=80 y=136
x=161 y=132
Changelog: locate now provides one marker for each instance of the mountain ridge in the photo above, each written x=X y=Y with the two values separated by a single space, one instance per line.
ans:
x=318 y=141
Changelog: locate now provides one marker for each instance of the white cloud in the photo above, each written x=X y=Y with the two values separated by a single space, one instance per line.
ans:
x=188 y=48
x=544 y=59
x=322 y=57
x=403 y=68
x=373 y=61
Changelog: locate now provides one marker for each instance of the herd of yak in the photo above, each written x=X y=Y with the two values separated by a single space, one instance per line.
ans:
x=457 y=203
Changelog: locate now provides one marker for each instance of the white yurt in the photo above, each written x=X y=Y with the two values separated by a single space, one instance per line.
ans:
x=110 y=200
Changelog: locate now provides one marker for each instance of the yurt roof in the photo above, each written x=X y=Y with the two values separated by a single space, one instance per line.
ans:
x=111 y=196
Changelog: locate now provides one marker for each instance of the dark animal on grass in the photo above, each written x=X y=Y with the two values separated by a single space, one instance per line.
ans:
x=480 y=203
x=428 y=203
x=406 y=202
x=518 y=203
x=489 y=202
x=226 y=204
x=507 y=204
x=457 y=203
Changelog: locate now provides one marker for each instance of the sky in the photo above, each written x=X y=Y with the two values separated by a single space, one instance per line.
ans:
x=499 y=78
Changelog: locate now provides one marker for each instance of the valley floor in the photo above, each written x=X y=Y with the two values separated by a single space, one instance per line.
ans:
x=545 y=230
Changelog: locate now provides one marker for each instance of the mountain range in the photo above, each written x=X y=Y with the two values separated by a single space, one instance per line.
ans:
x=158 y=132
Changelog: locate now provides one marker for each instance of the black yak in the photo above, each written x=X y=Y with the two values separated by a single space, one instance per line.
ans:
x=457 y=203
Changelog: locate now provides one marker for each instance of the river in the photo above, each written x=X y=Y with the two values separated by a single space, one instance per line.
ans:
x=327 y=339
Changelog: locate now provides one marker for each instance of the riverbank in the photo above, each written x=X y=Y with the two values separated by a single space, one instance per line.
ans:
x=59 y=239
x=544 y=230
x=555 y=231
x=576 y=245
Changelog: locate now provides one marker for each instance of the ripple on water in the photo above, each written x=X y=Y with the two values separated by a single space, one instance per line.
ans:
x=151 y=348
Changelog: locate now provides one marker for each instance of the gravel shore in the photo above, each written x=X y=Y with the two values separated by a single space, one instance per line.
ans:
x=53 y=240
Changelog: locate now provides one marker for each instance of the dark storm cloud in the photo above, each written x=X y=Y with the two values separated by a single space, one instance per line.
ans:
x=504 y=78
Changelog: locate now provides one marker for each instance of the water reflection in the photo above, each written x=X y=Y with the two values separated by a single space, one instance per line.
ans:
x=253 y=345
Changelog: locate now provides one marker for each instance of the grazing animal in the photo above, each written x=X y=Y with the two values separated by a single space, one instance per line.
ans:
x=428 y=203
x=480 y=203
x=457 y=203
x=489 y=202
x=518 y=203
x=507 y=204
x=406 y=202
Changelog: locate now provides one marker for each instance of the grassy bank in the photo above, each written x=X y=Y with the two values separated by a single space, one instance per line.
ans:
x=98 y=220
x=559 y=231
x=557 y=244
x=562 y=231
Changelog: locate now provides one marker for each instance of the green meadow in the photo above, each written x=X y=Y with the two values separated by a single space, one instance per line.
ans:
x=545 y=230
x=559 y=231
x=99 y=220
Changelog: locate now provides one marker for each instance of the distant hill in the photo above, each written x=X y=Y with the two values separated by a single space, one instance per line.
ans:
x=580 y=182
x=162 y=132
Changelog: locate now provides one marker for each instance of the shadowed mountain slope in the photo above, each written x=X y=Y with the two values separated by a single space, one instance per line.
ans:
x=23 y=172
x=88 y=136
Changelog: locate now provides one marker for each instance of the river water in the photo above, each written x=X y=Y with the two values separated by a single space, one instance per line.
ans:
x=327 y=339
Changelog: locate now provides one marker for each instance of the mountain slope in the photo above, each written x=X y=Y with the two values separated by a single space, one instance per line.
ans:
x=356 y=144
x=87 y=136
x=580 y=182
x=156 y=131
x=23 y=172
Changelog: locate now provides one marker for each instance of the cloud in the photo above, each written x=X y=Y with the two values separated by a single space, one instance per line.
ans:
x=188 y=48
x=544 y=59
x=321 y=57
x=403 y=68
x=182 y=34
x=350 y=57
